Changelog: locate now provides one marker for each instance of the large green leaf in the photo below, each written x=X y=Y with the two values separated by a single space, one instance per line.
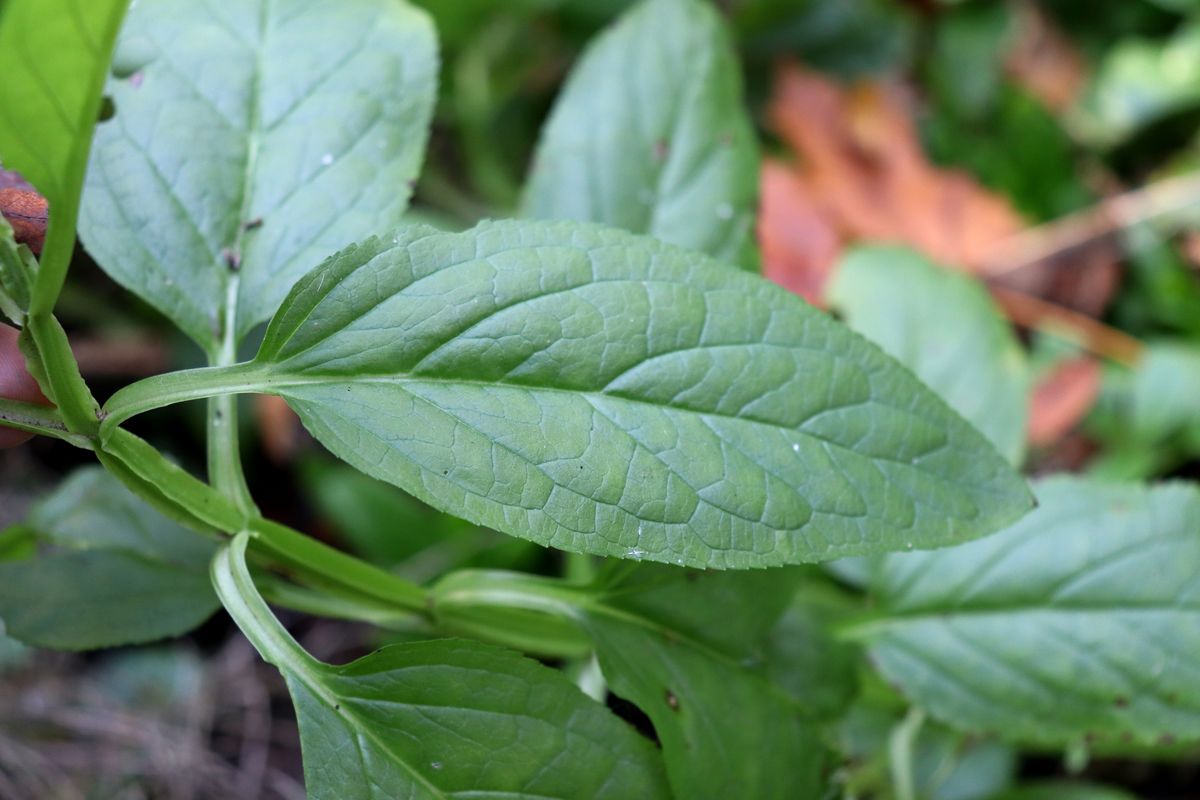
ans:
x=1081 y=620
x=601 y=392
x=651 y=135
x=117 y=572
x=726 y=730
x=945 y=327
x=53 y=55
x=251 y=140
x=443 y=718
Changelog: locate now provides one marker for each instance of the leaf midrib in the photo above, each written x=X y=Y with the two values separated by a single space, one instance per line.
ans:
x=270 y=385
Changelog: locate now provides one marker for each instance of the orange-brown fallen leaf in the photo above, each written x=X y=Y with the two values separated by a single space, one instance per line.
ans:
x=861 y=176
x=278 y=426
x=799 y=242
x=1061 y=399
x=27 y=213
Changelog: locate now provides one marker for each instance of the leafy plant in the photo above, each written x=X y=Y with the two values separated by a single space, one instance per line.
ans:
x=605 y=377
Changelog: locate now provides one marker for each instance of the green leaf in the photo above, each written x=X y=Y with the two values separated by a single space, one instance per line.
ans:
x=1081 y=620
x=693 y=650
x=1139 y=81
x=651 y=135
x=1166 y=390
x=117 y=572
x=803 y=658
x=606 y=393
x=945 y=327
x=251 y=140
x=945 y=764
x=53 y=55
x=442 y=718
x=390 y=528
x=726 y=730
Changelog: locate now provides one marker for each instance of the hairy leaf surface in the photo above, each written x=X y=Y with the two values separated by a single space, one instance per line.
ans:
x=601 y=392
x=945 y=327
x=443 y=718
x=252 y=140
x=117 y=572
x=1082 y=619
x=651 y=135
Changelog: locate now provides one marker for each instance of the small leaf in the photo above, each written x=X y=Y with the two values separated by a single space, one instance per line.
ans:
x=946 y=764
x=1081 y=620
x=651 y=135
x=117 y=573
x=945 y=327
x=443 y=718
x=1166 y=390
x=726 y=730
x=605 y=393
x=252 y=140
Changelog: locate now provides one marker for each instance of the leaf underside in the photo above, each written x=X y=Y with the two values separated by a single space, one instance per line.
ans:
x=651 y=135
x=250 y=141
x=1081 y=620
x=119 y=572
x=601 y=392
x=945 y=327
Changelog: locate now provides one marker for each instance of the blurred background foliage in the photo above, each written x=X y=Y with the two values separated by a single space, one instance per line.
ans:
x=1047 y=151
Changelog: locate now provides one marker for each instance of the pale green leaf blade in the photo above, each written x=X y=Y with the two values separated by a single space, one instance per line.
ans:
x=945 y=327
x=651 y=135
x=53 y=55
x=252 y=140
x=443 y=718
x=53 y=58
x=725 y=729
x=1166 y=390
x=601 y=392
x=116 y=572
x=1081 y=620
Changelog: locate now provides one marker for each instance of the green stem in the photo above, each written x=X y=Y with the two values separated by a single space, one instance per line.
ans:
x=321 y=603
x=235 y=588
x=902 y=752
x=39 y=419
x=198 y=505
x=74 y=399
x=178 y=387
x=322 y=564
x=538 y=615
x=225 y=470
